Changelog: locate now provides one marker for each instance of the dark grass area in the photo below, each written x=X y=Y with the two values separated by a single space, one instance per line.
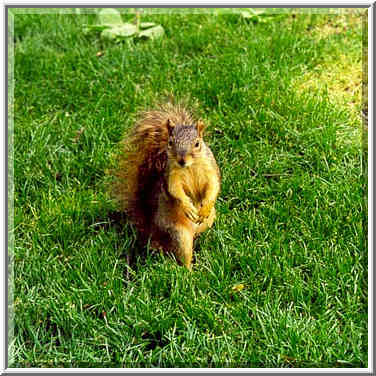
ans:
x=291 y=213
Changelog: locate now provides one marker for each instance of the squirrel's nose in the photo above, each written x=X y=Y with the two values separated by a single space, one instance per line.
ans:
x=182 y=162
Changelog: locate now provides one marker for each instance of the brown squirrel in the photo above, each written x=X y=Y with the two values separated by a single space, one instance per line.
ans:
x=167 y=179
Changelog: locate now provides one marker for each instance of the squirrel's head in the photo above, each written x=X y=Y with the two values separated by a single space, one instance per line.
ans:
x=185 y=142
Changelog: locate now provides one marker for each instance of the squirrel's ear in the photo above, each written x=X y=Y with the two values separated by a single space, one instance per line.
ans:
x=200 y=127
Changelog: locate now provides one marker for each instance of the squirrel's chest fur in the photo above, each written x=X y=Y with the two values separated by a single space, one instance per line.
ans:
x=193 y=179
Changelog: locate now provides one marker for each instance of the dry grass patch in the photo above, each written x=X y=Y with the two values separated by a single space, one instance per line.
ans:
x=340 y=23
x=340 y=77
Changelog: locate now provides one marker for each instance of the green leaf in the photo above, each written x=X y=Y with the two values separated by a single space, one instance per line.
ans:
x=153 y=33
x=112 y=27
x=257 y=12
x=258 y=15
x=248 y=15
x=89 y=28
x=146 y=25
x=121 y=31
x=110 y=17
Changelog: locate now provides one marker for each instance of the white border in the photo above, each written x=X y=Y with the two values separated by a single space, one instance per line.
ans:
x=370 y=188
x=3 y=190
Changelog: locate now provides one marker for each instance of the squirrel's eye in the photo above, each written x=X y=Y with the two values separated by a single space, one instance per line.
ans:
x=197 y=144
x=170 y=143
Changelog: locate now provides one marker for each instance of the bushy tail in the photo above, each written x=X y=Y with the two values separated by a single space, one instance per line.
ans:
x=143 y=159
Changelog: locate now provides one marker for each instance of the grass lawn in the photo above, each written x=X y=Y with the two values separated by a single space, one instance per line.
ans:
x=283 y=102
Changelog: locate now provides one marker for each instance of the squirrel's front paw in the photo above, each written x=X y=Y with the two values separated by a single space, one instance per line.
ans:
x=191 y=212
x=204 y=212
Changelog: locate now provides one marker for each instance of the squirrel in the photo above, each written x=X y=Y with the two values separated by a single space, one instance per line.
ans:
x=167 y=180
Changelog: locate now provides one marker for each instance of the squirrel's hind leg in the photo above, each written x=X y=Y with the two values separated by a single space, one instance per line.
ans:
x=183 y=238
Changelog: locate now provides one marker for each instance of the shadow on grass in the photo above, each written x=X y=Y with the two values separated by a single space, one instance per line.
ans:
x=130 y=246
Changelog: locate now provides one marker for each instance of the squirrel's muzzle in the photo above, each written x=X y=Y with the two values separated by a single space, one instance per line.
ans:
x=185 y=161
x=181 y=157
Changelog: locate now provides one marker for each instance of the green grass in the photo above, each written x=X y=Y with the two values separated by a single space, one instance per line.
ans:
x=291 y=213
